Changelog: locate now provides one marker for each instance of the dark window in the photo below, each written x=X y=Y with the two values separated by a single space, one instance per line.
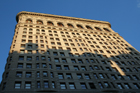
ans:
x=92 y=86
x=87 y=76
x=27 y=85
x=64 y=60
x=60 y=76
x=69 y=76
x=56 y=60
x=28 y=74
x=20 y=65
x=29 y=66
x=58 y=67
x=38 y=84
x=37 y=65
x=53 y=85
x=29 y=58
x=100 y=84
x=43 y=58
x=63 y=85
x=62 y=54
x=21 y=57
x=17 y=85
x=120 y=85
x=66 y=67
x=83 y=86
x=46 y=84
x=73 y=61
x=19 y=74
x=79 y=76
x=106 y=85
x=71 y=86
x=76 y=68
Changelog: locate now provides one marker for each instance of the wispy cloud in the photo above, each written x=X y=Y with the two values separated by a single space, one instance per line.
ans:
x=138 y=3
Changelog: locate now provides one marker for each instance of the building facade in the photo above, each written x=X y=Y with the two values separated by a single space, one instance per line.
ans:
x=59 y=54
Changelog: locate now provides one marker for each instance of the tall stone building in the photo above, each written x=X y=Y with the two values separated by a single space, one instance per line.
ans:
x=59 y=54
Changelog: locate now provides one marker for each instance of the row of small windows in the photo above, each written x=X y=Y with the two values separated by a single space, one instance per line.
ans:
x=69 y=25
x=83 y=68
x=19 y=74
x=71 y=85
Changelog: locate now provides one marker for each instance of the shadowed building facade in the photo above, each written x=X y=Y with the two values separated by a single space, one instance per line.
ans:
x=59 y=54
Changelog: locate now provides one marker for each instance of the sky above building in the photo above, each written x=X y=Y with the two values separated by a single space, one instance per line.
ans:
x=124 y=16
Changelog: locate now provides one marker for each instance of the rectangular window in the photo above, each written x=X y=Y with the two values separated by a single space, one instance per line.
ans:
x=55 y=54
x=58 y=67
x=38 y=84
x=45 y=74
x=21 y=58
x=71 y=86
x=64 y=60
x=66 y=67
x=100 y=84
x=95 y=75
x=46 y=84
x=60 y=76
x=79 y=76
x=27 y=85
x=28 y=74
x=56 y=60
x=80 y=61
x=43 y=58
x=53 y=85
x=17 y=85
x=20 y=65
x=106 y=85
x=73 y=61
x=136 y=86
x=92 y=86
x=63 y=85
x=19 y=74
x=69 y=76
x=44 y=65
x=37 y=65
x=76 y=68
x=127 y=86
x=87 y=76
x=120 y=85
x=29 y=66
x=29 y=58
x=38 y=74
x=83 y=68
x=83 y=86
x=62 y=54
x=52 y=75
x=101 y=75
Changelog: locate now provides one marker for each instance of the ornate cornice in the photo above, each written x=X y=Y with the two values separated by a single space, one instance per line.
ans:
x=63 y=17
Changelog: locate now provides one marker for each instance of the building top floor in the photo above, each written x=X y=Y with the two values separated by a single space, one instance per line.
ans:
x=49 y=19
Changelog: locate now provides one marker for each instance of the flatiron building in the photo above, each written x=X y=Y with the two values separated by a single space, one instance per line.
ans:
x=59 y=54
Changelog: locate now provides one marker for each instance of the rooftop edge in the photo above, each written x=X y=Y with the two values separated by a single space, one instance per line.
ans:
x=63 y=17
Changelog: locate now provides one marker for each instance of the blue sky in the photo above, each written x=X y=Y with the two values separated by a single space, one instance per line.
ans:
x=124 y=16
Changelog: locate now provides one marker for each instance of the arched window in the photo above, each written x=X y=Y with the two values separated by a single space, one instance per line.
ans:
x=88 y=27
x=106 y=29
x=50 y=23
x=39 y=22
x=70 y=25
x=60 y=24
x=79 y=26
x=97 y=28
x=28 y=21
